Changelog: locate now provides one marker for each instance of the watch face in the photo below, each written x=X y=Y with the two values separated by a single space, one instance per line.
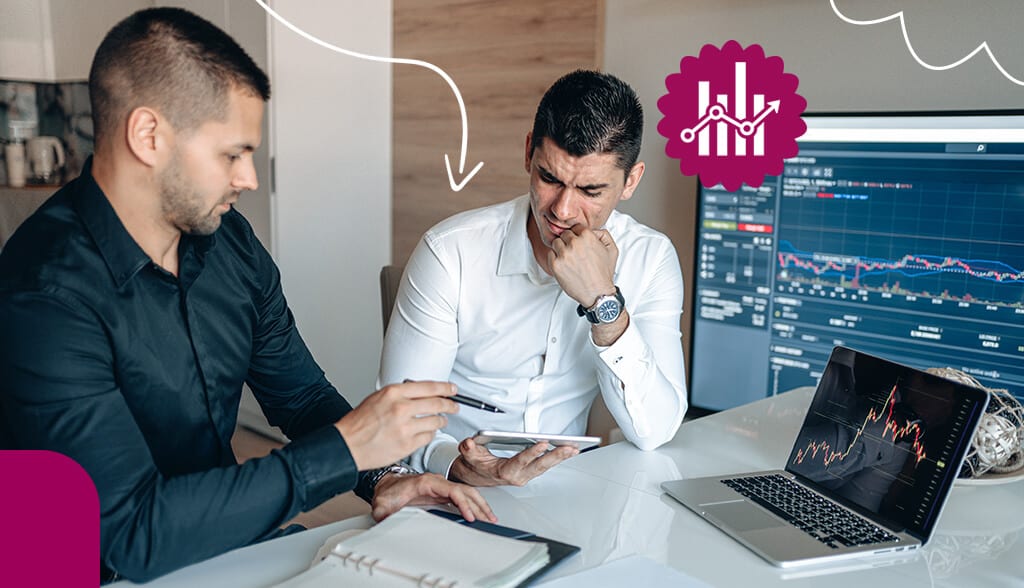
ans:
x=608 y=311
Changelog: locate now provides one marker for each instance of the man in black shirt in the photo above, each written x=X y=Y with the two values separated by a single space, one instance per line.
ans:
x=136 y=302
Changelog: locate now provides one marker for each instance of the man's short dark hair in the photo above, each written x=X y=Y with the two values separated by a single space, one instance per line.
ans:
x=174 y=61
x=588 y=112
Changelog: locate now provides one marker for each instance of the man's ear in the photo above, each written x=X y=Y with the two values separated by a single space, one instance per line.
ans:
x=528 y=153
x=145 y=138
x=632 y=180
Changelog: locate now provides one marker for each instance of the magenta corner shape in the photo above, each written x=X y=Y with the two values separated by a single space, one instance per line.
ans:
x=51 y=516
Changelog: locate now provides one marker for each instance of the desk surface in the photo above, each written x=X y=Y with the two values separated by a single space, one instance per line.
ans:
x=609 y=503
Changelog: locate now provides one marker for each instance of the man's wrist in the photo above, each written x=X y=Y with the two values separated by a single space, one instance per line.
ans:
x=456 y=471
x=605 y=309
x=463 y=473
x=397 y=469
x=606 y=334
x=608 y=290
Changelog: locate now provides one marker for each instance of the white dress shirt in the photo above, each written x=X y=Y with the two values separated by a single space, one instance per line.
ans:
x=476 y=309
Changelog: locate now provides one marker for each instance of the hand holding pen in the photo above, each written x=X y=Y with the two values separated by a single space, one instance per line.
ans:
x=471 y=402
x=395 y=421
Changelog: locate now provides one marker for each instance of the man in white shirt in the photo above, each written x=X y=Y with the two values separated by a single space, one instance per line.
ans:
x=538 y=304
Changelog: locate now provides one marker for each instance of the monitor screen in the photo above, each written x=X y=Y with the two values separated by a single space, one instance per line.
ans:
x=902 y=236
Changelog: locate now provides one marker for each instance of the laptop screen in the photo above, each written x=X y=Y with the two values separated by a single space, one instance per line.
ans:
x=886 y=437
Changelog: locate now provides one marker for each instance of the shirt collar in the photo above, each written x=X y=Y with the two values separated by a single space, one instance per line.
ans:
x=516 y=255
x=122 y=255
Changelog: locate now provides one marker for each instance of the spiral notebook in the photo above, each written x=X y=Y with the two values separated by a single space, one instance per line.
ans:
x=415 y=548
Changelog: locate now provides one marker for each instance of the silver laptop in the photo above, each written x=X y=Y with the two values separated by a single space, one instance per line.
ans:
x=869 y=471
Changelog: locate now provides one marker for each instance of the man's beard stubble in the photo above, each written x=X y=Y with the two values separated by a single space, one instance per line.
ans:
x=183 y=205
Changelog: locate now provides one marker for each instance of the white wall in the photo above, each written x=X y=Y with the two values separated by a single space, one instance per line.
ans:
x=331 y=132
x=78 y=28
x=841 y=67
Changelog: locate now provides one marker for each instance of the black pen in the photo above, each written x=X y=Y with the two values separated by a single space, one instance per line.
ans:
x=475 y=403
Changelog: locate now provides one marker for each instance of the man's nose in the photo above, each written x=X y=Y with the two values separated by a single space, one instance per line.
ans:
x=563 y=207
x=245 y=178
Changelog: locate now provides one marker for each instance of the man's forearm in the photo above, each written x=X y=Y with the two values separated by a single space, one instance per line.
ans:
x=606 y=334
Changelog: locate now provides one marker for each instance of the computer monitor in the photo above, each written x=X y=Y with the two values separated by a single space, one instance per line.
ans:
x=899 y=235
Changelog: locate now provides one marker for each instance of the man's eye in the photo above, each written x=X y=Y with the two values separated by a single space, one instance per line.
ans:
x=233 y=158
x=591 y=194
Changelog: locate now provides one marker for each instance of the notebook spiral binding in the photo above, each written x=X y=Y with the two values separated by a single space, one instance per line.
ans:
x=369 y=564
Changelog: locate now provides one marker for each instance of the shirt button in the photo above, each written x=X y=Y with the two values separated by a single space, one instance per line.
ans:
x=618 y=359
x=554 y=339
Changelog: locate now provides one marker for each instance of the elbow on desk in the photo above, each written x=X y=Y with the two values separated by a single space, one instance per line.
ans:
x=132 y=549
x=648 y=444
x=138 y=570
x=131 y=552
x=139 y=564
x=652 y=442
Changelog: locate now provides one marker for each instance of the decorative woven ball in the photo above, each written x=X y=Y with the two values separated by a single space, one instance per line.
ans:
x=998 y=444
x=996 y=440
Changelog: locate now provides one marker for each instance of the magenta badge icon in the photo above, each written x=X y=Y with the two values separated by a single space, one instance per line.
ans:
x=732 y=115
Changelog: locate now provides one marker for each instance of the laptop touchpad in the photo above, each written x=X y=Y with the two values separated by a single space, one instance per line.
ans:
x=741 y=516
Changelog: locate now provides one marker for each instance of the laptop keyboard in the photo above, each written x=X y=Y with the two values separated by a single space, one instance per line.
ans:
x=812 y=514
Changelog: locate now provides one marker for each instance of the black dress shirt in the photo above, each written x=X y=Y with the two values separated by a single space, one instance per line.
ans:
x=136 y=374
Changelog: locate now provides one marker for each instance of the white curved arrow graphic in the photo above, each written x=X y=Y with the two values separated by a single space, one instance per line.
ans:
x=456 y=186
x=903 y=25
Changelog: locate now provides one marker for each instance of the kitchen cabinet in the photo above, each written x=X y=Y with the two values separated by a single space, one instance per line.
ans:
x=54 y=40
x=26 y=44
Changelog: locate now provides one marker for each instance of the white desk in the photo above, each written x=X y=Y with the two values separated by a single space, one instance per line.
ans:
x=609 y=503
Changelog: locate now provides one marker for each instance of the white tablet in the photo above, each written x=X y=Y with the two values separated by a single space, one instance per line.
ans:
x=518 y=441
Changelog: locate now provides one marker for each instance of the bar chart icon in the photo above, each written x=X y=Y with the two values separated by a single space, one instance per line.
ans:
x=743 y=133
x=732 y=115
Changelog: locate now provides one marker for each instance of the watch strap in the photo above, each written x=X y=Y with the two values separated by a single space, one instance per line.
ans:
x=373 y=477
x=591 y=313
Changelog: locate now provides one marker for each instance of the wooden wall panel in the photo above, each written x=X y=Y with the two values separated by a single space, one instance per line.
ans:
x=502 y=55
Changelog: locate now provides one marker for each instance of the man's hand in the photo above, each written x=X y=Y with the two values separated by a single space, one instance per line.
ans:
x=583 y=262
x=395 y=421
x=479 y=467
x=396 y=490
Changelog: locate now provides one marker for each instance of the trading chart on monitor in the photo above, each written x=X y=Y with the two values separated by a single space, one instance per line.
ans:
x=900 y=236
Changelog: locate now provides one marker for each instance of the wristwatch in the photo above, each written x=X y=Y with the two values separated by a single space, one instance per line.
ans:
x=396 y=468
x=605 y=310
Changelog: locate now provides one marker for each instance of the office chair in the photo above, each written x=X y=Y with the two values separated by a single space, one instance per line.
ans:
x=390 y=277
x=600 y=422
